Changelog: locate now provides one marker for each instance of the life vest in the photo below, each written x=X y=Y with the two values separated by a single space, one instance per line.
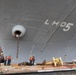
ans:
x=31 y=58
x=9 y=57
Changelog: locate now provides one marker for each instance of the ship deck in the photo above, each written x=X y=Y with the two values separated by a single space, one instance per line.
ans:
x=14 y=69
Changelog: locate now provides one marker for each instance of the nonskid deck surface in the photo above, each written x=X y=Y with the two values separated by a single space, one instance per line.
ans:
x=36 y=68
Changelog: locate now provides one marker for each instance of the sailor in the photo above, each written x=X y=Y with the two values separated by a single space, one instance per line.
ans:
x=9 y=58
x=5 y=60
x=2 y=58
x=32 y=60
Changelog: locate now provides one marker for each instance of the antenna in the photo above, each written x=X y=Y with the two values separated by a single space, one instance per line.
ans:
x=17 y=46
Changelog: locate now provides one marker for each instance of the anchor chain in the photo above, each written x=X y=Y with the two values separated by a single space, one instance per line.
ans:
x=17 y=48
